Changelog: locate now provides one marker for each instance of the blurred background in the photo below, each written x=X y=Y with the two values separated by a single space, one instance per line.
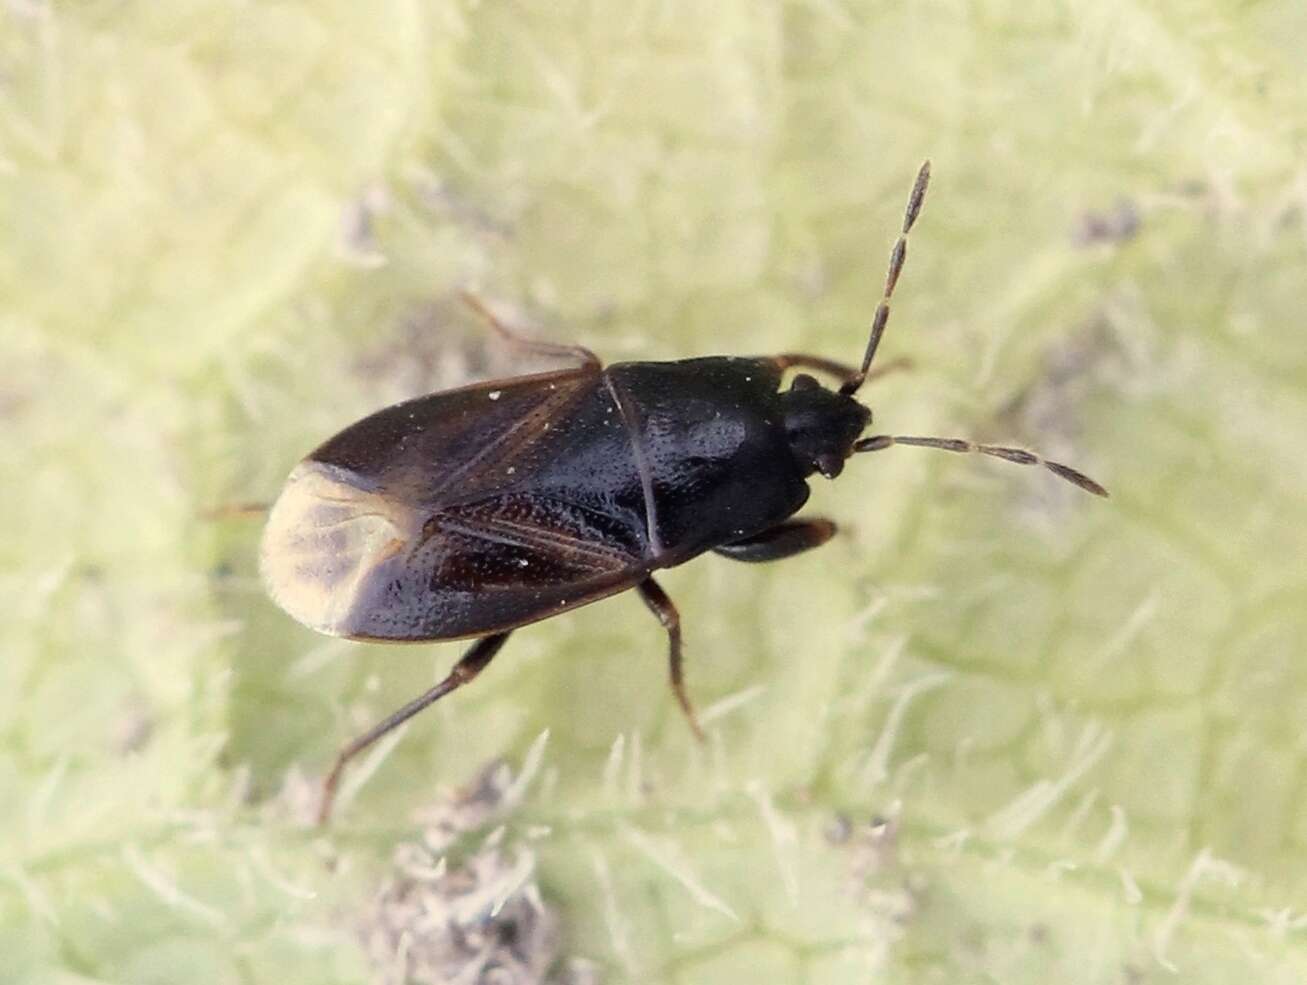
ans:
x=997 y=731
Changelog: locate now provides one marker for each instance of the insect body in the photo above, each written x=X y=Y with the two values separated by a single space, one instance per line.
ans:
x=472 y=512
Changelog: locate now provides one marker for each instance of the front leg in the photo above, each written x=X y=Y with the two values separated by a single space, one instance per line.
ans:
x=783 y=540
x=846 y=375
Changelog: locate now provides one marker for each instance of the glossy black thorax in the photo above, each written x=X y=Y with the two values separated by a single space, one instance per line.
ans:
x=710 y=436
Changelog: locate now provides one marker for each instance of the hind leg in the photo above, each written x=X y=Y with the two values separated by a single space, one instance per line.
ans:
x=472 y=663
x=578 y=352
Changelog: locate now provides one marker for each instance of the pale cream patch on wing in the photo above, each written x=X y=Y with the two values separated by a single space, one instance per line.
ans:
x=324 y=537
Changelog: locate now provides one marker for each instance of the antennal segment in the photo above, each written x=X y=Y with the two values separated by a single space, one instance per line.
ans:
x=896 y=259
x=961 y=445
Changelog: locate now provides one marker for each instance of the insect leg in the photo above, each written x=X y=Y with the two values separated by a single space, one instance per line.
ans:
x=846 y=375
x=662 y=607
x=781 y=541
x=587 y=358
x=472 y=663
x=235 y=511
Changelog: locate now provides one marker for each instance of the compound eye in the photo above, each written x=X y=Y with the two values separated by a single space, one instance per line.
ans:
x=805 y=382
x=830 y=465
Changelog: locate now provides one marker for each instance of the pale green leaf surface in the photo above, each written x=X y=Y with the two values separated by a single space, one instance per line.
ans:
x=997 y=732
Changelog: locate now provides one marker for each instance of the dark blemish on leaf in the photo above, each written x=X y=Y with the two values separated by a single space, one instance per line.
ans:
x=357 y=244
x=435 y=346
x=1290 y=217
x=1119 y=224
x=975 y=940
x=134 y=727
x=427 y=350
x=436 y=195
x=12 y=402
x=1078 y=364
x=1087 y=360
x=461 y=902
x=578 y=971
x=839 y=830
x=876 y=879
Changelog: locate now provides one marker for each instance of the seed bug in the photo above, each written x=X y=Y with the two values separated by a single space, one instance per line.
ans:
x=469 y=513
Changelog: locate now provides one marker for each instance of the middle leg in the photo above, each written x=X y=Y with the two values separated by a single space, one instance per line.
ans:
x=663 y=607
x=580 y=353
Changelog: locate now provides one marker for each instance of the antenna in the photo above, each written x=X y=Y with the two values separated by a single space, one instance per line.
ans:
x=961 y=445
x=896 y=259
